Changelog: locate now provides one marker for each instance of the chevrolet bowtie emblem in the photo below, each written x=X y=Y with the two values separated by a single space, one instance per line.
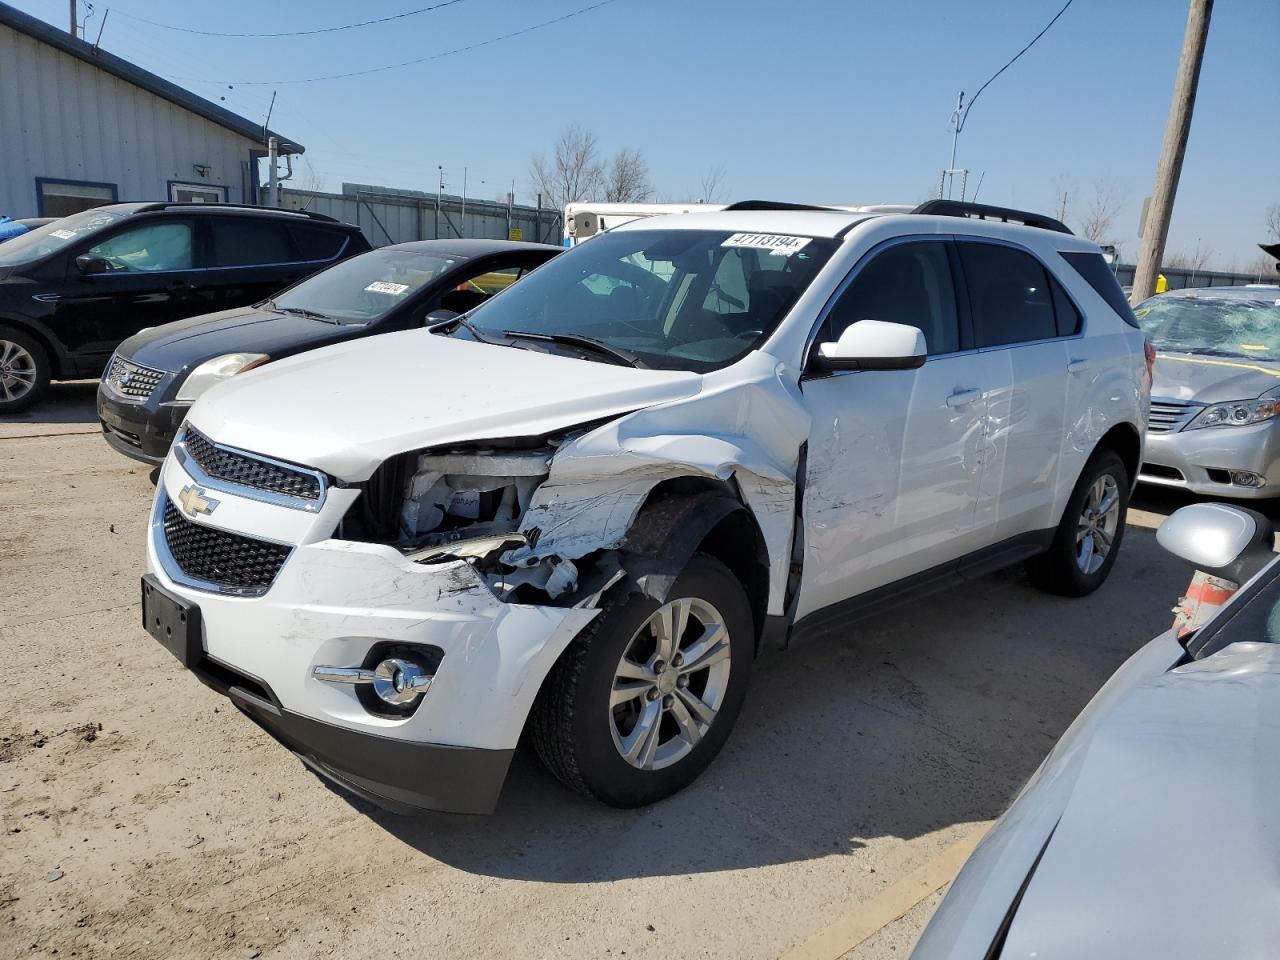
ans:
x=194 y=501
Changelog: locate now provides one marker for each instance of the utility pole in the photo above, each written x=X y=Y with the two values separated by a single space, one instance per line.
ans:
x=439 y=191
x=273 y=184
x=1169 y=169
x=75 y=29
x=462 y=218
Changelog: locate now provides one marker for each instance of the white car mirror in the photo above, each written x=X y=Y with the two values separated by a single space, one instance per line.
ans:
x=1216 y=537
x=874 y=345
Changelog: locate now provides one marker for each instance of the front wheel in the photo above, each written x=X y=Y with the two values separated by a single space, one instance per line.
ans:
x=24 y=370
x=642 y=701
x=1087 y=540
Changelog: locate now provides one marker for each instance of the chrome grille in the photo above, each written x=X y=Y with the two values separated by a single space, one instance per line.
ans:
x=131 y=379
x=1170 y=416
x=224 y=560
x=233 y=466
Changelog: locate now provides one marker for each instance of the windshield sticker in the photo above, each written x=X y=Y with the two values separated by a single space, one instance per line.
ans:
x=1253 y=346
x=777 y=245
x=386 y=286
x=64 y=234
x=99 y=221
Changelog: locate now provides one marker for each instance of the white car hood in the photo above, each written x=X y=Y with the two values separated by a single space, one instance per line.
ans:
x=346 y=408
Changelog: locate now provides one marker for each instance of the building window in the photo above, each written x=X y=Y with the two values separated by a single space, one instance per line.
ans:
x=196 y=192
x=61 y=198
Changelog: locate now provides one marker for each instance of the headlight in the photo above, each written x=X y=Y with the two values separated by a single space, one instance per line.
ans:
x=1236 y=413
x=214 y=371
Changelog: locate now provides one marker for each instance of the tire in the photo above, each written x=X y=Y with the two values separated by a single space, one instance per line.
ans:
x=581 y=738
x=1072 y=566
x=24 y=370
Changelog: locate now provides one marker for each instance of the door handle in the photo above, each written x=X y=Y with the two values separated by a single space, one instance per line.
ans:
x=180 y=286
x=1077 y=366
x=962 y=398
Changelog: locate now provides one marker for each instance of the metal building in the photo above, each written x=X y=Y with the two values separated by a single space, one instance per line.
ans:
x=80 y=127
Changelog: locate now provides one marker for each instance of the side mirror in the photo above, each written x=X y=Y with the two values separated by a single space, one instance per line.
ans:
x=439 y=316
x=1229 y=542
x=874 y=345
x=86 y=263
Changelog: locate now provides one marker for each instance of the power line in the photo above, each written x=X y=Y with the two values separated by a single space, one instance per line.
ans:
x=409 y=63
x=291 y=33
x=964 y=115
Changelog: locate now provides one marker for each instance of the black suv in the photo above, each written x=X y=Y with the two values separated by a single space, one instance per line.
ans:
x=73 y=289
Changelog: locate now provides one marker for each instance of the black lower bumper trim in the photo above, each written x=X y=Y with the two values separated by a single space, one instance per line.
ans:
x=397 y=775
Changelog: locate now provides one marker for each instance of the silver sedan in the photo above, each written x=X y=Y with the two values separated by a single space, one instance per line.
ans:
x=1215 y=393
x=1150 y=831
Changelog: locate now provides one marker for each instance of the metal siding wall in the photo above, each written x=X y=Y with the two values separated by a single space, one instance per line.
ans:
x=407 y=217
x=66 y=119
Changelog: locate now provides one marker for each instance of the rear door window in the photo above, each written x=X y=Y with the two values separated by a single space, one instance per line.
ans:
x=244 y=242
x=908 y=283
x=1009 y=295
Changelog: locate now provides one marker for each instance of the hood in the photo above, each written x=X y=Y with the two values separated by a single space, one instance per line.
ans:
x=347 y=408
x=1169 y=843
x=185 y=344
x=1188 y=376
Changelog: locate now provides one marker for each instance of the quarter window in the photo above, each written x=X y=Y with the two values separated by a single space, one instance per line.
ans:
x=909 y=283
x=150 y=248
x=313 y=243
x=247 y=243
x=1009 y=294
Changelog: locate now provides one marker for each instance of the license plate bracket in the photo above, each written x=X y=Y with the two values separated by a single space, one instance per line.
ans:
x=174 y=622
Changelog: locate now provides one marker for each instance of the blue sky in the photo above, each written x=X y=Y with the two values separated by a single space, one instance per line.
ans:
x=809 y=100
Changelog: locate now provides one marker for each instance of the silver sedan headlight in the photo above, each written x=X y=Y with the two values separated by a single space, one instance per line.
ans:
x=214 y=371
x=1235 y=413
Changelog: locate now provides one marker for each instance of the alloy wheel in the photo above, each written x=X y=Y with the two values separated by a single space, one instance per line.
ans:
x=17 y=371
x=670 y=683
x=1099 y=521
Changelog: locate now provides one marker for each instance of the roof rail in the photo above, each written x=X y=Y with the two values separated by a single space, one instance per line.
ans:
x=168 y=204
x=982 y=211
x=772 y=205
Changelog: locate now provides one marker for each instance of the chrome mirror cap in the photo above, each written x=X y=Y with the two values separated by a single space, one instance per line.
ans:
x=1210 y=535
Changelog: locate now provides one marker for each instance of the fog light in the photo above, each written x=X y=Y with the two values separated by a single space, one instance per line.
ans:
x=399 y=681
x=1243 y=478
x=395 y=681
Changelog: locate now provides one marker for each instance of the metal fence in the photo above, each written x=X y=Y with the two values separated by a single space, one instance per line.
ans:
x=396 y=216
x=1179 y=278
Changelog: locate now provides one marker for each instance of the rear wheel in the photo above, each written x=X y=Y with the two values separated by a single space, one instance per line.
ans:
x=1087 y=541
x=642 y=701
x=24 y=370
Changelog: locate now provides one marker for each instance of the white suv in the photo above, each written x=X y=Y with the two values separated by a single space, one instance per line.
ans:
x=584 y=506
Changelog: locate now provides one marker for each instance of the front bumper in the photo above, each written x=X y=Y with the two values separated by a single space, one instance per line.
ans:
x=330 y=603
x=1201 y=461
x=143 y=430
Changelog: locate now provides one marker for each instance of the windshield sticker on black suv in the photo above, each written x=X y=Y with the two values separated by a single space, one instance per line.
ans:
x=64 y=234
x=778 y=246
x=386 y=286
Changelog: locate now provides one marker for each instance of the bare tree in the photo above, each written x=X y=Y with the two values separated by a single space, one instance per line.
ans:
x=1264 y=267
x=572 y=173
x=1273 y=221
x=711 y=188
x=1101 y=211
x=627 y=180
x=1195 y=261
x=1064 y=194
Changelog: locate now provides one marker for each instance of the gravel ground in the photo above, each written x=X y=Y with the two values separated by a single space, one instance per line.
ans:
x=143 y=817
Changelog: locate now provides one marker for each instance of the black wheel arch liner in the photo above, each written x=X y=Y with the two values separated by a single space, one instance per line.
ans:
x=61 y=363
x=668 y=531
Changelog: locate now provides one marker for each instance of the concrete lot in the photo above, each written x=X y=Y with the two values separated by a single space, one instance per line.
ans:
x=144 y=817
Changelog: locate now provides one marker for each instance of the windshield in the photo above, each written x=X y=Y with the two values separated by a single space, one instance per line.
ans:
x=366 y=288
x=1227 y=328
x=676 y=299
x=52 y=237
